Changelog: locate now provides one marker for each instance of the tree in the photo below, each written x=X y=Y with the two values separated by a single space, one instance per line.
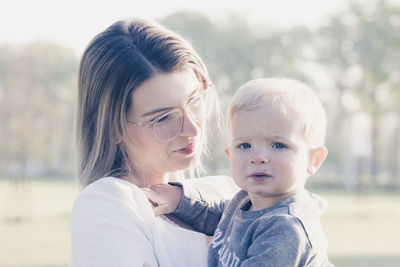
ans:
x=37 y=83
x=360 y=49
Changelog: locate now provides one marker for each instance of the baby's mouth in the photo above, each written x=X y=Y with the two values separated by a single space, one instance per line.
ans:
x=259 y=176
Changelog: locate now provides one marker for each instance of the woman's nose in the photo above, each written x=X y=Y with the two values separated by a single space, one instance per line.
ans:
x=189 y=127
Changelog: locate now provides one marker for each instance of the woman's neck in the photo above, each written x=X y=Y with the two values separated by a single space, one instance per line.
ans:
x=147 y=179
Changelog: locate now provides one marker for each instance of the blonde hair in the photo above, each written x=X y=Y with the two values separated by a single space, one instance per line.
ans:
x=290 y=97
x=113 y=65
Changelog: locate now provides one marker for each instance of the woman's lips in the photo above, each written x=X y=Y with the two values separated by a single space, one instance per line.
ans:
x=187 y=150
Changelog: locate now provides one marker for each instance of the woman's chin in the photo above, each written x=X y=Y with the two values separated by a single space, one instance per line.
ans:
x=185 y=162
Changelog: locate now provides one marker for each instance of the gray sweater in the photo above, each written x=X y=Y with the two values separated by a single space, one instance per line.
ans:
x=286 y=234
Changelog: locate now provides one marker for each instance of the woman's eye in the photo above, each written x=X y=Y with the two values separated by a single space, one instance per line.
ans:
x=278 y=145
x=244 y=146
x=162 y=118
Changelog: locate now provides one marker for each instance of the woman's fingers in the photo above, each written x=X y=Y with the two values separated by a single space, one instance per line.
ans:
x=165 y=198
x=158 y=201
x=150 y=194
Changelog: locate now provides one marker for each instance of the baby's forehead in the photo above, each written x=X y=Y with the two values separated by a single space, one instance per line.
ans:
x=267 y=112
x=272 y=122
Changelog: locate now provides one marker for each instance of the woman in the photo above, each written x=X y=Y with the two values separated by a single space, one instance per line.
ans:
x=144 y=100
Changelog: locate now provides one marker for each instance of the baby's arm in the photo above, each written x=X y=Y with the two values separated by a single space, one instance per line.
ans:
x=200 y=210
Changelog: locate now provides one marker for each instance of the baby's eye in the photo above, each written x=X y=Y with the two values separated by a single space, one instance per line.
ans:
x=244 y=146
x=278 y=145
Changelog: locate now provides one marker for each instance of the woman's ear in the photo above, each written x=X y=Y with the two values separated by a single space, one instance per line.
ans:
x=118 y=139
x=317 y=157
x=227 y=152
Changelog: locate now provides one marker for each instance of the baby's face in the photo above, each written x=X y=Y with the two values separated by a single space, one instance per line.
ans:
x=268 y=154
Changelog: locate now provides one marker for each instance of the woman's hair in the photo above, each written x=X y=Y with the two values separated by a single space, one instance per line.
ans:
x=113 y=65
x=290 y=97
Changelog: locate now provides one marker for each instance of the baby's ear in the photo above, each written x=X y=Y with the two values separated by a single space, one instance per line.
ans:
x=227 y=152
x=317 y=157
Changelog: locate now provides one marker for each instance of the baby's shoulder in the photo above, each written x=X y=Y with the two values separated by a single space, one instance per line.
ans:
x=294 y=227
x=281 y=219
x=281 y=222
x=281 y=228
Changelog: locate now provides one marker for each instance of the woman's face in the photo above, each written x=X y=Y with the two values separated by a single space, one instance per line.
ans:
x=160 y=95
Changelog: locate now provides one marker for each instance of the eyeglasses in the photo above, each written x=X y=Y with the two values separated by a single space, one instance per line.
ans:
x=168 y=126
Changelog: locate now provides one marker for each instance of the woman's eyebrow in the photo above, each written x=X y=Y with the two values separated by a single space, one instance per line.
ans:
x=154 y=111
x=158 y=110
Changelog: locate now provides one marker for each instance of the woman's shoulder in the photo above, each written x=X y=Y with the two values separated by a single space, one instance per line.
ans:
x=108 y=183
x=110 y=187
x=111 y=196
x=221 y=186
x=111 y=225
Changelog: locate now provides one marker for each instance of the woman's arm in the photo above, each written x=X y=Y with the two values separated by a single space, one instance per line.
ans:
x=108 y=227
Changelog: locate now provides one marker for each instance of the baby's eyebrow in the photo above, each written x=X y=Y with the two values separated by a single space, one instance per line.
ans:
x=277 y=136
x=240 y=139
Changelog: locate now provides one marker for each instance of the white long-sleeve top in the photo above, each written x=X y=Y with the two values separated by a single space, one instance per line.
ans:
x=112 y=224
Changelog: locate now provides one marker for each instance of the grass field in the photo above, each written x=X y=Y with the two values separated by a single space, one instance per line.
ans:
x=362 y=230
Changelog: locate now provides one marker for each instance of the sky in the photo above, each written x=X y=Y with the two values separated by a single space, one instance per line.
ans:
x=73 y=23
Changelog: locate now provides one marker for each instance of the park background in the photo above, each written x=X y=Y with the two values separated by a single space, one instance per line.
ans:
x=348 y=51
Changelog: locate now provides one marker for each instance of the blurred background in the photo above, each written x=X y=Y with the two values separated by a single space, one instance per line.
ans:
x=348 y=51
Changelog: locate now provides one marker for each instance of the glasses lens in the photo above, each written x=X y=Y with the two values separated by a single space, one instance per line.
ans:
x=196 y=107
x=168 y=126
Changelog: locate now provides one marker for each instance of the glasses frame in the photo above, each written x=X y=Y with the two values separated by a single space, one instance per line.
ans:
x=154 y=122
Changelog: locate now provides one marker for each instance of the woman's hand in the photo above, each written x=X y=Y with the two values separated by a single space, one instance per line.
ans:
x=165 y=198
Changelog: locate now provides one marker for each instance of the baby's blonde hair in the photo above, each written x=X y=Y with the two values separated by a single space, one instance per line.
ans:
x=290 y=97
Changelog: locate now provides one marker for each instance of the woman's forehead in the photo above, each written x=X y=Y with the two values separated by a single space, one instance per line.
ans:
x=164 y=90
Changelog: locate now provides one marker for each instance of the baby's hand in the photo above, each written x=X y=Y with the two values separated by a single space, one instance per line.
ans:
x=165 y=198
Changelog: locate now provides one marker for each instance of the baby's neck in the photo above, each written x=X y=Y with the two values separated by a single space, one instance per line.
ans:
x=259 y=203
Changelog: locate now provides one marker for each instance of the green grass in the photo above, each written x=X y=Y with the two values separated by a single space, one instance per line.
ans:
x=362 y=230
x=34 y=223
x=366 y=261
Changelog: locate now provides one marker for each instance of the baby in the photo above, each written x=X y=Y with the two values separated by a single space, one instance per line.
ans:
x=276 y=142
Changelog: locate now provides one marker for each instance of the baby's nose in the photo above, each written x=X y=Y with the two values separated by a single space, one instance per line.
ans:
x=259 y=158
